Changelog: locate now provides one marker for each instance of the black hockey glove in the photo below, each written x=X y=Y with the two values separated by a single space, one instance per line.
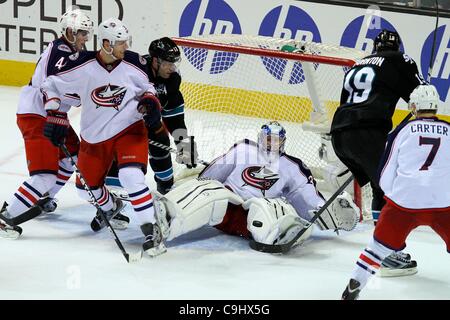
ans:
x=151 y=108
x=56 y=127
x=187 y=152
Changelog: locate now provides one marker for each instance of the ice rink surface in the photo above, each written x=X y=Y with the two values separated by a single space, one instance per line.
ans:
x=59 y=257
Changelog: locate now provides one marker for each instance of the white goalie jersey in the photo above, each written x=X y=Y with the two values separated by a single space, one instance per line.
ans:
x=251 y=173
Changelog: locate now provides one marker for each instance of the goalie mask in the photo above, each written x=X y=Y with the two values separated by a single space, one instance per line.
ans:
x=272 y=137
x=424 y=98
x=387 y=41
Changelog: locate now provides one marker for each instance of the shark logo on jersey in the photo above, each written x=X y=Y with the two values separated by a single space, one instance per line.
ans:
x=259 y=178
x=440 y=75
x=288 y=22
x=109 y=96
x=359 y=33
x=205 y=17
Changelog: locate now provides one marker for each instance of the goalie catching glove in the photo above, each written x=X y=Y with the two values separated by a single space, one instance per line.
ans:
x=343 y=214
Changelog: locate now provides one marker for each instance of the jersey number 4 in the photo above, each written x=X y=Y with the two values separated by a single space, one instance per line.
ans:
x=358 y=83
x=435 y=142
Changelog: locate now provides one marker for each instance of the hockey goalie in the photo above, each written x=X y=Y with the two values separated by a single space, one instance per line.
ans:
x=255 y=191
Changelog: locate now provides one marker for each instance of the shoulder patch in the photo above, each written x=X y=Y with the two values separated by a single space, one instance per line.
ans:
x=142 y=60
x=74 y=56
x=64 y=47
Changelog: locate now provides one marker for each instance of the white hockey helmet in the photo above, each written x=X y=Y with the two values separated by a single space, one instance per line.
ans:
x=272 y=137
x=113 y=30
x=76 y=20
x=424 y=97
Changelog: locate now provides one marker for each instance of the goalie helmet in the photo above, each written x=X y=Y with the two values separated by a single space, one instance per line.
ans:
x=113 y=30
x=165 y=49
x=272 y=137
x=387 y=40
x=424 y=98
x=76 y=20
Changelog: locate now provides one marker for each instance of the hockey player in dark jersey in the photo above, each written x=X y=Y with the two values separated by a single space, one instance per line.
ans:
x=362 y=122
x=163 y=60
x=48 y=167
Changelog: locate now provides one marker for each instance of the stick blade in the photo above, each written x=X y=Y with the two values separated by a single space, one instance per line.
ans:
x=134 y=257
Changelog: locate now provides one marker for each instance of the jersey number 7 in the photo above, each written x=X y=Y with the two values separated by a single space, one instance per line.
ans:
x=435 y=142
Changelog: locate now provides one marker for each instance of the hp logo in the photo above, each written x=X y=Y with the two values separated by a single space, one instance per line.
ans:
x=205 y=17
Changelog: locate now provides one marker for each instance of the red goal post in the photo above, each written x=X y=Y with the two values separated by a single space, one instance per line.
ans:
x=234 y=83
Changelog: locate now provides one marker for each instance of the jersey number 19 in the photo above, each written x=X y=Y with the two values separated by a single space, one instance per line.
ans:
x=358 y=83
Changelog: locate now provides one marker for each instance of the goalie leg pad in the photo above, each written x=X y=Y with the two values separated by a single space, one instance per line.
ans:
x=274 y=221
x=195 y=204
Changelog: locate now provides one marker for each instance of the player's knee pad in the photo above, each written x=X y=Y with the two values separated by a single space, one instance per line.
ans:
x=343 y=214
x=270 y=220
x=132 y=178
x=43 y=182
x=197 y=203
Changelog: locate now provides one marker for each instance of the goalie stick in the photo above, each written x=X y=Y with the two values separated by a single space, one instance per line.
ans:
x=129 y=257
x=283 y=248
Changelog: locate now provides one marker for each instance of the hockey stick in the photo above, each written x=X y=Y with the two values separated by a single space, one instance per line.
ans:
x=283 y=248
x=130 y=258
x=172 y=150
x=430 y=68
x=431 y=64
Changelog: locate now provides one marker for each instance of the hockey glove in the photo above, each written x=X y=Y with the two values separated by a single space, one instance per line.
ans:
x=56 y=127
x=187 y=152
x=151 y=108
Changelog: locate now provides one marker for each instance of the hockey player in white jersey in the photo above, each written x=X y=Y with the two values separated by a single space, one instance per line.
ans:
x=115 y=92
x=48 y=168
x=256 y=191
x=415 y=179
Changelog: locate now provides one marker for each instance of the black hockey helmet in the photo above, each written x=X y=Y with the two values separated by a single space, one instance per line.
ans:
x=165 y=49
x=387 y=40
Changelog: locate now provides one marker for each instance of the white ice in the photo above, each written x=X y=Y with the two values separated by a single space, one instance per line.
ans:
x=59 y=257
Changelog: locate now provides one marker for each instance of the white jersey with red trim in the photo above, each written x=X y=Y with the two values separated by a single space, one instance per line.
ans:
x=53 y=59
x=109 y=94
x=251 y=173
x=416 y=165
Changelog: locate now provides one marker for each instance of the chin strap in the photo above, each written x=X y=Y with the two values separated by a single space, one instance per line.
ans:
x=110 y=53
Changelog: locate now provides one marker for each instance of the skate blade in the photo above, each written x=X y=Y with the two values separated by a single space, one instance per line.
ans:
x=156 y=251
x=9 y=234
x=386 y=272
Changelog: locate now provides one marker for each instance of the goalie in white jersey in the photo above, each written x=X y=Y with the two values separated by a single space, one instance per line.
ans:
x=415 y=180
x=48 y=167
x=115 y=92
x=256 y=191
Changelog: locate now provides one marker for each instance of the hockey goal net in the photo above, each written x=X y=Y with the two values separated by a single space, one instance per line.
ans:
x=232 y=84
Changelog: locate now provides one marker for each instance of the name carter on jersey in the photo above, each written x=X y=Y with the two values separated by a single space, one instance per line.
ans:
x=429 y=128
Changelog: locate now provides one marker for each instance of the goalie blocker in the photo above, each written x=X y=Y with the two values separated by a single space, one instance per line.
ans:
x=272 y=221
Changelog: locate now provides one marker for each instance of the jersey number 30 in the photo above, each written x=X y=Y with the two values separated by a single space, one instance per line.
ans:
x=358 y=83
